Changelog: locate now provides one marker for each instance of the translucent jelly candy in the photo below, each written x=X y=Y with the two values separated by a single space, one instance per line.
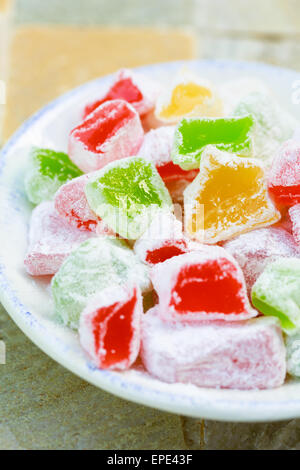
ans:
x=273 y=125
x=293 y=354
x=157 y=147
x=227 y=198
x=255 y=249
x=51 y=240
x=71 y=203
x=241 y=355
x=188 y=95
x=113 y=131
x=162 y=240
x=194 y=134
x=94 y=265
x=284 y=177
x=294 y=213
x=47 y=171
x=127 y=194
x=277 y=292
x=109 y=328
x=187 y=285
x=136 y=89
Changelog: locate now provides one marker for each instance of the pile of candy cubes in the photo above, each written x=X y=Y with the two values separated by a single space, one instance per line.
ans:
x=172 y=231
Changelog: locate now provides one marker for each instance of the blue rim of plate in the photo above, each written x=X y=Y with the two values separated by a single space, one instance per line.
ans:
x=221 y=409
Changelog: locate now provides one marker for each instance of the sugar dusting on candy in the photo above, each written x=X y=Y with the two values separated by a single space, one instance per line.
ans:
x=109 y=328
x=284 y=176
x=273 y=125
x=294 y=213
x=241 y=355
x=162 y=240
x=157 y=147
x=47 y=170
x=136 y=89
x=107 y=126
x=293 y=354
x=255 y=249
x=127 y=194
x=51 y=240
x=277 y=292
x=71 y=203
x=187 y=284
x=96 y=264
x=113 y=131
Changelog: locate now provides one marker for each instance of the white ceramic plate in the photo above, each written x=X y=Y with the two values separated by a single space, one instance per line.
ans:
x=28 y=300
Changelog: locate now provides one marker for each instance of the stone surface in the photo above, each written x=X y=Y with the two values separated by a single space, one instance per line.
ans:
x=44 y=406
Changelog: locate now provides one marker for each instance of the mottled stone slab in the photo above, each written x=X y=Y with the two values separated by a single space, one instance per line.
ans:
x=44 y=406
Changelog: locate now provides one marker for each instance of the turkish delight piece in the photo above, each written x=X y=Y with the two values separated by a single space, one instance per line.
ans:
x=110 y=327
x=255 y=249
x=202 y=285
x=273 y=125
x=162 y=240
x=71 y=203
x=51 y=240
x=113 y=131
x=277 y=292
x=284 y=176
x=96 y=264
x=237 y=355
x=293 y=354
x=127 y=194
x=188 y=95
x=233 y=92
x=157 y=147
x=294 y=213
x=227 y=198
x=134 y=88
x=47 y=171
x=193 y=134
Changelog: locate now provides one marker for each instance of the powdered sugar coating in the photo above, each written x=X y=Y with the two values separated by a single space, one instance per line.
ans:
x=157 y=145
x=273 y=125
x=146 y=89
x=127 y=194
x=71 y=203
x=294 y=213
x=277 y=292
x=240 y=355
x=233 y=92
x=293 y=354
x=285 y=170
x=255 y=249
x=164 y=277
x=51 y=240
x=114 y=298
x=122 y=141
x=94 y=265
x=164 y=231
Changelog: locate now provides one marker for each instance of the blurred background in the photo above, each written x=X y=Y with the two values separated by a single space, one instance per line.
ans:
x=46 y=48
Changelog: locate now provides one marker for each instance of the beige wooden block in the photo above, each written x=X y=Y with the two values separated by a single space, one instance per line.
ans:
x=47 y=61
